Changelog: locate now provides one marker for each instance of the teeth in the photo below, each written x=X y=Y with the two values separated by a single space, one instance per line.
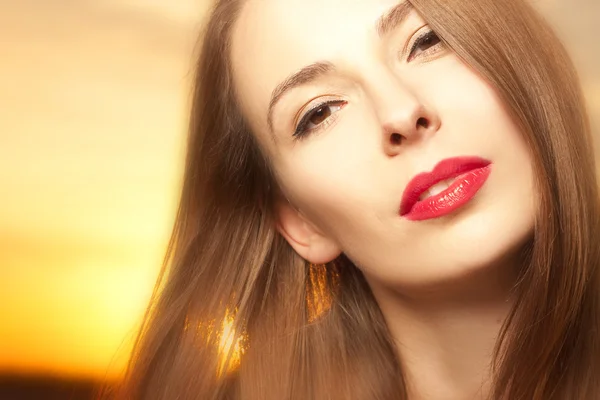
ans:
x=436 y=189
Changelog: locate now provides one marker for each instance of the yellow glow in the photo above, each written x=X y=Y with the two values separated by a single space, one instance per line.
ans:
x=319 y=292
x=229 y=343
x=91 y=138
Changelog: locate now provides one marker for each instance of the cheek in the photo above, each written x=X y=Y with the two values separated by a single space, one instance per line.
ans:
x=329 y=189
x=339 y=179
x=472 y=112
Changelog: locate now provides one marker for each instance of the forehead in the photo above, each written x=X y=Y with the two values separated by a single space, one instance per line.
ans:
x=274 y=38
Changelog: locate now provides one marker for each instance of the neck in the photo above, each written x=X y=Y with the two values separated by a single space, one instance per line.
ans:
x=446 y=335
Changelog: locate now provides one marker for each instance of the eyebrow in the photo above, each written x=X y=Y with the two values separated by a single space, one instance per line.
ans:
x=384 y=25
x=393 y=18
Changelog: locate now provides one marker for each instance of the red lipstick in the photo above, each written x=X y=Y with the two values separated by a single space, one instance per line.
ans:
x=469 y=174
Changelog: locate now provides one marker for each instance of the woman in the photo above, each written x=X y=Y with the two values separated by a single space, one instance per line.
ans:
x=382 y=200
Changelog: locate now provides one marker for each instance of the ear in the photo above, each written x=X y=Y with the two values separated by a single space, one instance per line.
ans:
x=308 y=241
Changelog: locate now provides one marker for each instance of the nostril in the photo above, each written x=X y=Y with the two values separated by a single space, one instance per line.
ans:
x=396 y=138
x=423 y=122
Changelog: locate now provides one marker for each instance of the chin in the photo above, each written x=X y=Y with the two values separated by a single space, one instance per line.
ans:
x=458 y=247
x=481 y=241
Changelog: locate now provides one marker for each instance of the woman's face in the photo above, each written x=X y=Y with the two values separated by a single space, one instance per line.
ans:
x=347 y=135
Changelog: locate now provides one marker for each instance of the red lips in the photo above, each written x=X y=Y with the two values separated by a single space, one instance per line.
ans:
x=446 y=169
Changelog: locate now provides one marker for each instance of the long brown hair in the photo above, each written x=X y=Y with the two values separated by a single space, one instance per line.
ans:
x=232 y=287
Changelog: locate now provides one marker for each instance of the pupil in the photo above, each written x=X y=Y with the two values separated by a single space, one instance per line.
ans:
x=320 y=115
x=429 y=41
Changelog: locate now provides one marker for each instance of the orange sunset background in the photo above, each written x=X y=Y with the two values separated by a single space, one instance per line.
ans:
x=93 y=103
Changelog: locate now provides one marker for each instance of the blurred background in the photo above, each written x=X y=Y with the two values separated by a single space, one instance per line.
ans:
x=93 y=103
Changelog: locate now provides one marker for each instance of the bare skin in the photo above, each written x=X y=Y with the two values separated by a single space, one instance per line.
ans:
x=443 y=284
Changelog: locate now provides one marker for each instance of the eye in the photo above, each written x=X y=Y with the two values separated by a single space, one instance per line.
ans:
x=317 y=117
x=427 y=43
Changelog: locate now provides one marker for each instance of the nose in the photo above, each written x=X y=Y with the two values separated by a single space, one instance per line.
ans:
x=403 y=117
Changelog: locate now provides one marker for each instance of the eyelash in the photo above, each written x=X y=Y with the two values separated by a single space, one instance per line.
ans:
x=301 y=131
x=422 y=39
